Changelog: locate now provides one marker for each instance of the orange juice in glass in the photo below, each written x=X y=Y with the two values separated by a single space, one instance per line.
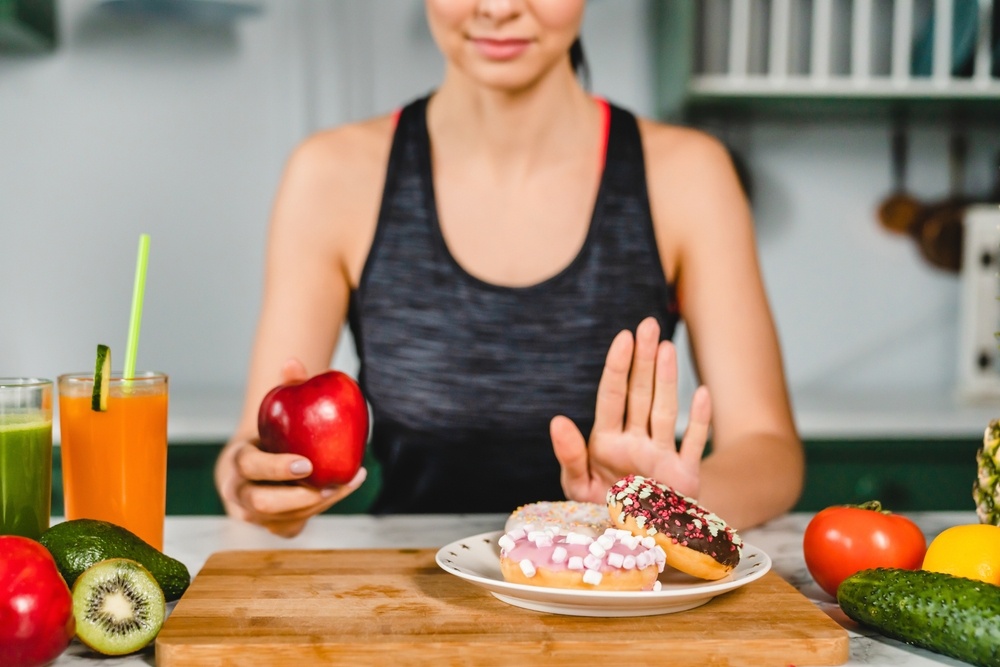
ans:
x=114 y=463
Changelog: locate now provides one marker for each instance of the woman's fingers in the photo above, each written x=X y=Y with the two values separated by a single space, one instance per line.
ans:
x=252 y=463
x=641 y=379
x=663 y=419
x=612 y=390
x=293 y=370
x=265 y=491
x=286 y=528
x=696 y=434
x=278 y=502
x=255 y=491
x=275 y=504
x=636 y=419
x=570 y=449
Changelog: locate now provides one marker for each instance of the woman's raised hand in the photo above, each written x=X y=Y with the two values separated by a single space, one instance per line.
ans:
x=634 y=422
x=255 y=485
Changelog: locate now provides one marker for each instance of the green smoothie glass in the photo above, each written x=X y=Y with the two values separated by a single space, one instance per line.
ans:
x=25 y=456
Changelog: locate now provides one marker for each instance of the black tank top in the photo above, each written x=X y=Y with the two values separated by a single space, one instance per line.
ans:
x=464 y=376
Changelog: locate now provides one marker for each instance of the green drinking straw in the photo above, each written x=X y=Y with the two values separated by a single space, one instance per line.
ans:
x=139 y=287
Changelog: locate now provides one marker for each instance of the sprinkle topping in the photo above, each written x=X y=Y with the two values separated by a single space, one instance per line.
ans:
x=656 y=508
x=613 y=550
x=564 y=516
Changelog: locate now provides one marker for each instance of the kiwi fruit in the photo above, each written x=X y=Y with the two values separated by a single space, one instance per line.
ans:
x=118 y=606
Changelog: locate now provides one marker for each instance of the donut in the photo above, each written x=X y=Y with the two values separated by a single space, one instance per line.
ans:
x=616 y=560
x=563 y=515
x=695 y=540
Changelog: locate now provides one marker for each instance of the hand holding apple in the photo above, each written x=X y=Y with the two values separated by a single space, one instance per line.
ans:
x=36 y=607
x=324 y=419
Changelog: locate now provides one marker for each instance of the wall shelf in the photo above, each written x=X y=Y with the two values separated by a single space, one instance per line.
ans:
x=794 y=56
x=789 y=107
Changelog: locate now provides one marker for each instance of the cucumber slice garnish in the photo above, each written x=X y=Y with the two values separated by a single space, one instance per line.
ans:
x=102 y=379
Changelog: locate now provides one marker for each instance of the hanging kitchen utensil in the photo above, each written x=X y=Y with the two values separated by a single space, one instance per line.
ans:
x=938 y=228
x=897 y=211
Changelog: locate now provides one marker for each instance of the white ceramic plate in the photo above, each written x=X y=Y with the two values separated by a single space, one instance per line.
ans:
x=477 y=560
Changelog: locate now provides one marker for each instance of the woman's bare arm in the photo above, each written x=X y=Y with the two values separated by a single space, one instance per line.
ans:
x=756 y=466
x=320 y=229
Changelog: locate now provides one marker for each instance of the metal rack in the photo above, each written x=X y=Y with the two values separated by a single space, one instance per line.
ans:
x=898 y=49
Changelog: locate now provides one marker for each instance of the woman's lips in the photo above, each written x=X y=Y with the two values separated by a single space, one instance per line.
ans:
x=500 y=49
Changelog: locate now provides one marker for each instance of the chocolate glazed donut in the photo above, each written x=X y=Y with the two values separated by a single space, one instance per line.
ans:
x=695 y=540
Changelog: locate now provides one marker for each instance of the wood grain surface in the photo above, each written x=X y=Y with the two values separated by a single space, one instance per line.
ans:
x=397 y=607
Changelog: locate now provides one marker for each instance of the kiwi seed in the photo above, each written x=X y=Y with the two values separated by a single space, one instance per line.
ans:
x=118 y=605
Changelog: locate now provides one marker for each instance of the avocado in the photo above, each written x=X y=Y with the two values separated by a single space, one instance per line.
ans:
x=950 y=615
x=79 y=543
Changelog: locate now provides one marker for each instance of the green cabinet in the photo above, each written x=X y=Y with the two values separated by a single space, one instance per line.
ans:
x=905 y=474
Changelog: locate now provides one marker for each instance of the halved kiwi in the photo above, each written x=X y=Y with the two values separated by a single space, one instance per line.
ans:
x=118 y=606
x=102 y=379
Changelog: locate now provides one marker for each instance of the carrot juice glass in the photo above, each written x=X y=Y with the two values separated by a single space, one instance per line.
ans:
x=25 y=456
x=114 y=462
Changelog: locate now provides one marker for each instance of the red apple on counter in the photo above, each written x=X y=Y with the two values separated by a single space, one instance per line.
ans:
x=324 y=419
x=36 y=607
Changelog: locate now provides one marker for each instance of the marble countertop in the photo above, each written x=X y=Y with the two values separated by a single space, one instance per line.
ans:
x=193 y=539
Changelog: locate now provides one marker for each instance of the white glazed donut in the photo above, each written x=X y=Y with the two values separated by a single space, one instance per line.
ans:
x=563 y=516
x=616 y=560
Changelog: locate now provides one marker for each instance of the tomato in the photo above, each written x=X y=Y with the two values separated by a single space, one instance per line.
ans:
x=842 y=540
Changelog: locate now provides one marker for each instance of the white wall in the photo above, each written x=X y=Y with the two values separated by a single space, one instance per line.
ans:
x=130 y=127
x=181 y=131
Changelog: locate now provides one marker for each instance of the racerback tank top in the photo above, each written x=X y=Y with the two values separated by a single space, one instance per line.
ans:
x=463 y=376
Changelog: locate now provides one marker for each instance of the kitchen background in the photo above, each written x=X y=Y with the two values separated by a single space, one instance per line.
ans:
x=178 y=126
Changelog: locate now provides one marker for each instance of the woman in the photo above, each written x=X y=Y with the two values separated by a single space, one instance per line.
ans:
x=494 y=247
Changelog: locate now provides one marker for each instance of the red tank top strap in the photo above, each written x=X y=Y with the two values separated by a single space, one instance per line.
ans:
x=605 y=110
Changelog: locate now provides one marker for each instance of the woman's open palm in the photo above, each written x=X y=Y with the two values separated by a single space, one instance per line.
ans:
x=634 y=423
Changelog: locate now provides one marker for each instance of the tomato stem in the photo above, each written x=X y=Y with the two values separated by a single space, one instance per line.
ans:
x=873 y=505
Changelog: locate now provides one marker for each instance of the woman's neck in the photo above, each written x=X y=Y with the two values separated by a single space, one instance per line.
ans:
x=550 y=119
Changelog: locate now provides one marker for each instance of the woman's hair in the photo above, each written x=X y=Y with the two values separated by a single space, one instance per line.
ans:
x=578 y=61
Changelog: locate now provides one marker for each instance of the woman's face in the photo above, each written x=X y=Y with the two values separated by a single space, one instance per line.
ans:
x=507 y=44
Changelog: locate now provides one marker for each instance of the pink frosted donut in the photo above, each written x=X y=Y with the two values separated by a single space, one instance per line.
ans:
x=616 y=560
x=695 y=540
x=562 y=515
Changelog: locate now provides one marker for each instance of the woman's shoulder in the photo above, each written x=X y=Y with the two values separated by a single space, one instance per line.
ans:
x=332 y=186
x=685 y=164
x=671 y=149
x=695 y=192
x=354 y=148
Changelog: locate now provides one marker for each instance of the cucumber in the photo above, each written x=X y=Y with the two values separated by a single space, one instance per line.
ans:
x=950 y=615
x=102 y=379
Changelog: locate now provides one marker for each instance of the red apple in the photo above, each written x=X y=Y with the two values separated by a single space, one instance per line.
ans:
x=324 y=419
x=36 y=607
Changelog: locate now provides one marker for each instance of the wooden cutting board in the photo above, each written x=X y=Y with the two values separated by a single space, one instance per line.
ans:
x=397 y=607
